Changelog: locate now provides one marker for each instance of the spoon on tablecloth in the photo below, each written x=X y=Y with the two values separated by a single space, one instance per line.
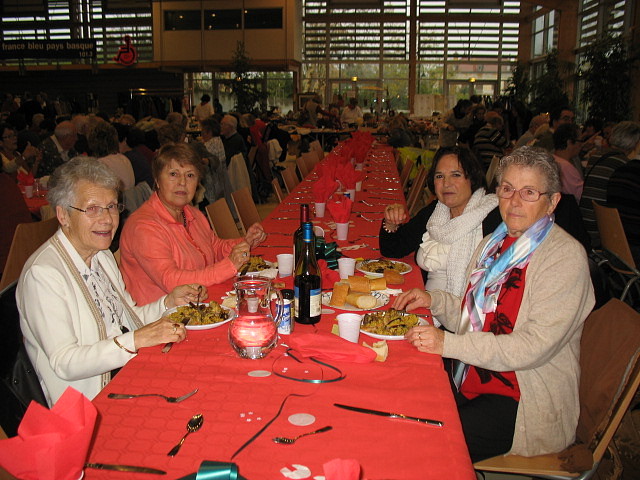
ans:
x=193 y=425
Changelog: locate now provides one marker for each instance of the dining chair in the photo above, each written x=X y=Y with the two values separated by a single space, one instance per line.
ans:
x=316 y=147
x=27 y=239
x=136 y=196
x=246 y=208
x=491 y=172
x=221 y=219
x=416 y=189
x=277 y=190
x=310 y=160
x=238 y=173
x=604 y=399
x=406 y=171
x=47 y=212
x=302 y=167
x=290 y=178
x=615 y=247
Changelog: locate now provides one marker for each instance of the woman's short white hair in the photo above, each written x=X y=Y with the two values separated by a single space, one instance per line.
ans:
x=536 y=158
x=64 y=180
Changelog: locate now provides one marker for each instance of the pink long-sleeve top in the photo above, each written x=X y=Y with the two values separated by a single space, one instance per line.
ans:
x=158 y=253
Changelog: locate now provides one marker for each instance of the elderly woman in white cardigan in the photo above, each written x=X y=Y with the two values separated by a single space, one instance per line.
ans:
x=79 y=323
x=515 y=332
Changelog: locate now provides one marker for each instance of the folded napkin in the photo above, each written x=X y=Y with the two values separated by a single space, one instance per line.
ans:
x=325 y=346
x=51 y=444
x=340 y=209
x=341 y=469
x=349 y=176
x=25 y=179
x=329 y=277
x=323 y=188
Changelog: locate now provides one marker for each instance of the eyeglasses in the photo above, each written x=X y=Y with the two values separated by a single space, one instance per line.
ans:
x=527 y=194
x=95 y=210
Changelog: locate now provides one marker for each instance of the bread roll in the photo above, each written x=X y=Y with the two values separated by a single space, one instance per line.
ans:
x=339 y=295
x=392 y=277
x=359 y=284
x=378 y=283
x=361 y=300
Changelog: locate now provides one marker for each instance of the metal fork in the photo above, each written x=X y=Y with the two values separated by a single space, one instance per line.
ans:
x=289 y=441
x=122 y=396
x=365 y=218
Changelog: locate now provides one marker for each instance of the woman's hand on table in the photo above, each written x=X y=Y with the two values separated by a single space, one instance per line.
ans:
x=240 y=254
x=428 y=339
x=255 y=235
x=184 y=294
x=412 y=299
x=160 y=331
x=394 y=215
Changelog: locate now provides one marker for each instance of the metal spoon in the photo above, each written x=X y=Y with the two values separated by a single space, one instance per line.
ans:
x=193 y=425
x=289 y=441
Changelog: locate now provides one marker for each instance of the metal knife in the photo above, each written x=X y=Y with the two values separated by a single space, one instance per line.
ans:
x=124 y=468
x=435 y=423
x=167 y=346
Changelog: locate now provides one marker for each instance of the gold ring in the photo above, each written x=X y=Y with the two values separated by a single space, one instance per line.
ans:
x=419 y=337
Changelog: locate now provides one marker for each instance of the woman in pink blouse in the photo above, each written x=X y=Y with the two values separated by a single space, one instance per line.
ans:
x=167 y=241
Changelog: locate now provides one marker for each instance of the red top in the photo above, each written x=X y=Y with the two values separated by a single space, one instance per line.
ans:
x=480 y=381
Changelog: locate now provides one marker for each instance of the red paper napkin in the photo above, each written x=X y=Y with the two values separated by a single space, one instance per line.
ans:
x=348 y=176
x=323 y=188
x=340 y=209
x=329 y=277
x=51 y=444
x=326 y=346
x=25 y=179
x=341 y=469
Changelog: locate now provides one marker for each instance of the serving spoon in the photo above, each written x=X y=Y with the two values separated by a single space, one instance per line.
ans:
x=193 y=425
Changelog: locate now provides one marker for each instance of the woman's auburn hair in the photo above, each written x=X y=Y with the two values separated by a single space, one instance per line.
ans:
x=182 y=153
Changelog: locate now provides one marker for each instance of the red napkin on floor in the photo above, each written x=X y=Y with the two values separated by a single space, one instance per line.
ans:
x=323 y=188
x=348 y=176
x=326 y=346
x=51 y=444
x=340 y=209
x=25 y=179
x=341 y=469
x=329 y=277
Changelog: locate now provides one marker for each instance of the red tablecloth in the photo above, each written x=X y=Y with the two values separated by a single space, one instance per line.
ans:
x=236 y=405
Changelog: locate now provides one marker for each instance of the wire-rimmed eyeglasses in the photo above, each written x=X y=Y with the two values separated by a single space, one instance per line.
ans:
x=96 y=210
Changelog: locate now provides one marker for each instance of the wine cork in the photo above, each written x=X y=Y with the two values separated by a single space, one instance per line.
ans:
x=378 y=283
x=361 y=300
x=339 y=295
x=359 y=284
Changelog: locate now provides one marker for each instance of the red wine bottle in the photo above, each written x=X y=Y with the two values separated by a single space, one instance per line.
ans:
x=297 y=235
x=307 y=281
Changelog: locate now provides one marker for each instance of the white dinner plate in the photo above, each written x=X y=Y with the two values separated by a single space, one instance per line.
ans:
x=360 y=264
x=381 y=300
x=421 y=321
x=231 y=311
x=258 y=272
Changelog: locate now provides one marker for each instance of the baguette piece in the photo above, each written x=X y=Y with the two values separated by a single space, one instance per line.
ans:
x=392 y=277
x=361 y=300
x=378 y=283
x=359 y=284
x=339 y=295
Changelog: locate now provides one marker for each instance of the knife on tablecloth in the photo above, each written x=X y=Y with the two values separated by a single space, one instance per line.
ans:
x=435 y=423
x=125 y=468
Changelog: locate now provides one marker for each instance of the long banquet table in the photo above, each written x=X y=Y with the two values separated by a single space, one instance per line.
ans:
x=236 y=404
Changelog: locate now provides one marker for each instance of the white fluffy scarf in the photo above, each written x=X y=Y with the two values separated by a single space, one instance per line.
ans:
x=462 y=234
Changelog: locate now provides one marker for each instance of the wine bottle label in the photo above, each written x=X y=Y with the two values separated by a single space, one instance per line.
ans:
x=315 y=304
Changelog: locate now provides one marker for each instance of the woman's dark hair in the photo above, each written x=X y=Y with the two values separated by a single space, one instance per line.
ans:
x=462 y=104
x=468 y=162
x=122 y=130
x=205 y=98
x=212 y=125
x=182 y=153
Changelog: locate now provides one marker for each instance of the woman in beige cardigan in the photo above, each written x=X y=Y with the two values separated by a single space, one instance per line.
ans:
x=515 y=334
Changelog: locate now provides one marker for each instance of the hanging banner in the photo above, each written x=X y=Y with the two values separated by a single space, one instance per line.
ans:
x=17 y=49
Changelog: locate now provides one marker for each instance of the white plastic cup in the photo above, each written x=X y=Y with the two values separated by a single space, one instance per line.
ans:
x=285 y=264
x=352 y=194
x=342 y=230
x=28 y=191
x=320 y=209
x=359 y=166
x=349 y=326
x=346 y=267
x=359 y=186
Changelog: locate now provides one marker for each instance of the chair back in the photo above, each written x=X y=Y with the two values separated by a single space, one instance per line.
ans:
x=610 y=372
x=491 y=171
x=302 y=167
x=310 y=160
x=317 y=148
x=612 y=236
x=246 y=208
x=221 y=219
x=27 y=239
x=277 y=190
x=416 y=189
x=238 y=173
x=406 y=171
x=136 y=196
x=290 y=178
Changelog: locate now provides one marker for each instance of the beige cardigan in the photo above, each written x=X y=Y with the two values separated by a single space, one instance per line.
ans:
x=544 y=347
